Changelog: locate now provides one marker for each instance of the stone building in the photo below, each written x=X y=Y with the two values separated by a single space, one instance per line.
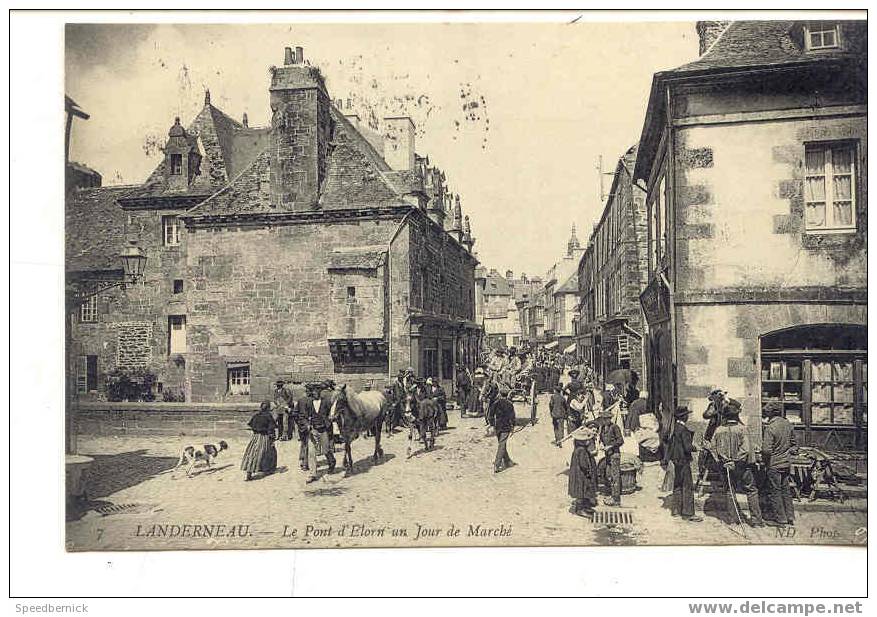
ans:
x=500 y=321
x=754 y=157
x=561 y=293
x=296 y=251
x=611 y=276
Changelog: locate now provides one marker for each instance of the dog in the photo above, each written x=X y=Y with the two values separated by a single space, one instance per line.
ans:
x=191 y=456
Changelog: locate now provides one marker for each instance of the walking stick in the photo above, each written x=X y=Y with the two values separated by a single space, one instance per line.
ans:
x=733 y=498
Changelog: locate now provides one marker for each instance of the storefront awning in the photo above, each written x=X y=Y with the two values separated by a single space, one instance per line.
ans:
x=571 y=348
x=551 y=345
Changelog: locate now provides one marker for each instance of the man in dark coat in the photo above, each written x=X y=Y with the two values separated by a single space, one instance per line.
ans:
x=559 y=411
x=314 y=425
x=583 y=471
x=464 y=385
x=777 y=446
x=435 y=391
x=504 y=423
x=679 y=451
x=611 y=439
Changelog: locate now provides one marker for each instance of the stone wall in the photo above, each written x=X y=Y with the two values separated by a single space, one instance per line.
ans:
x=170 y=419
x=138 y=315
x=740 y=209
x=265 y=295
x=718 y=345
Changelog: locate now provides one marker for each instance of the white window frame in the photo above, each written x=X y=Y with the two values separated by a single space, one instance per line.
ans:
x=88 y=310
x=812 y=29
x=171 y=227
x=239 y=380
x=829 y=225
x=176 y=344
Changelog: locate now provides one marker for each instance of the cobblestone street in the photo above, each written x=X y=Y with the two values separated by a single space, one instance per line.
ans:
x=453 y=485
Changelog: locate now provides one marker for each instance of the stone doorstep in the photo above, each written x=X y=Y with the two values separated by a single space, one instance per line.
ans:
x=857 y=503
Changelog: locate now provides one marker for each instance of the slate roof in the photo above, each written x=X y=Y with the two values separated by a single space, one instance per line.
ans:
x=356 y=176
x=227 y=148
x=95 y=228
x=497 y=286
x=769 y=43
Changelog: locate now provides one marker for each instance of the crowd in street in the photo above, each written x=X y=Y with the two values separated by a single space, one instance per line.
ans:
x=596 y=417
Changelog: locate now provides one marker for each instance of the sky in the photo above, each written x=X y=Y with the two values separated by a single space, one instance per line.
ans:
x=515 y=114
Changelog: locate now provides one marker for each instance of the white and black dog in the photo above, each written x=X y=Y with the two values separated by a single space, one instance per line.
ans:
x=191 y=456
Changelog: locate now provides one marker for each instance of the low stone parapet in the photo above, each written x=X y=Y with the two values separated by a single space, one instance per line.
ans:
x=209 y=419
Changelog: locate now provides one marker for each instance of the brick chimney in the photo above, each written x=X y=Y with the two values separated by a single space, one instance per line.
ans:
x=399 y=143
x=301 y=128
x=708 y=32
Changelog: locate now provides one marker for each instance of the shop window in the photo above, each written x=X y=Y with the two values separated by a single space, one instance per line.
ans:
x=818 y=374
x=430 y=362
x=239 y=379
x=830 y=187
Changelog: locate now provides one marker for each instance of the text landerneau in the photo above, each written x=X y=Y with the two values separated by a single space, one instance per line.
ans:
x=51 y=608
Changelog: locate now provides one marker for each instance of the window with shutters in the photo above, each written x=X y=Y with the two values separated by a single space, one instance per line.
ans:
x=830 y=187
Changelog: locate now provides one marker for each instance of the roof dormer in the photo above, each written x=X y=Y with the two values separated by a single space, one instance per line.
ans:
x=822 y=35
x=183 y=158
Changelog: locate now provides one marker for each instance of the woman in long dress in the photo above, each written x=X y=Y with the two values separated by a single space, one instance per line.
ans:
x=260 y=454
x=583 y=471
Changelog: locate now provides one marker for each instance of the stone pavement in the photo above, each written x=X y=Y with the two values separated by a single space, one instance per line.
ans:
x=447 y=497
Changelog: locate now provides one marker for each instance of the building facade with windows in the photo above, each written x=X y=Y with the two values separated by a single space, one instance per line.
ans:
x=611 y=275
x=292 y=251
x=499 y=316
x=754 y=157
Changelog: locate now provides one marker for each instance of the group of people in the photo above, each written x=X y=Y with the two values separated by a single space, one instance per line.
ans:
x=292 y=412
x=727 y=448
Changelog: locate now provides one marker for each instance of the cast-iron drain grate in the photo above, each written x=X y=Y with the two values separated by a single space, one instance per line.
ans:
x=123 y=508
x=612 y=517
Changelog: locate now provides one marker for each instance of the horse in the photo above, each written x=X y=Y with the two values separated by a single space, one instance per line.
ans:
x=355 y=413
x=421 y=414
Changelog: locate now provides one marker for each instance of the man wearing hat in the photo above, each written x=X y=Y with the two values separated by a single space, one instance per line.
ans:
x=558 y=410
x=301 y=414
x=777 y=446
x=679 y=451
x=713 y=414
x=284 y=400
x=611 y=440
x=732 y=448
x=504 y=424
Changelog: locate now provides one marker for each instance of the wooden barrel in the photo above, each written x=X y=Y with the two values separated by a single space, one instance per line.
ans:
x=628 y=477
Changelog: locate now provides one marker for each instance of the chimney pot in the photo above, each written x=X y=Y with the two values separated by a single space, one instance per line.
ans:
x=299 y=55
x=288 y=57
x=245 y=122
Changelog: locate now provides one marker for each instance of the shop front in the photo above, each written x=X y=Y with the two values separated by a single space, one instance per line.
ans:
x=818 y=374
x=660 y=366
